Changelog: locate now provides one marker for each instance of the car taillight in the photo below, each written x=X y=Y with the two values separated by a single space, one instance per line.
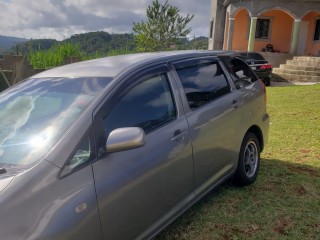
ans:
x=265 y=66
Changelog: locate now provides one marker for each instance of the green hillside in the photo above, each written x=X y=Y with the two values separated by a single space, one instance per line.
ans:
x=91 y=43
x=104 y=43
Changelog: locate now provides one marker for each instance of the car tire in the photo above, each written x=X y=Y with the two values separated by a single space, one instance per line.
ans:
x=249 y=161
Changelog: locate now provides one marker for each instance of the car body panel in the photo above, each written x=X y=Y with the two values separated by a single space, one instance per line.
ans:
x=41 y=208
x=214 y=158
x=4 y=182
x=149 y=179
x=130 y=194
x=146 y=181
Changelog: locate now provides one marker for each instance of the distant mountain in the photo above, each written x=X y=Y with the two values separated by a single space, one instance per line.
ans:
x=8 y=42
x=200 y=43
x=100 y=43
x=90 y=43
x=34 y=44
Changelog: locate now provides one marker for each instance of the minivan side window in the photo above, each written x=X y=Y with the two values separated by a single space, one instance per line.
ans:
x=147 y=105
x=242 y=70
x=82 y=154
x=203 y=83
x=239 y=69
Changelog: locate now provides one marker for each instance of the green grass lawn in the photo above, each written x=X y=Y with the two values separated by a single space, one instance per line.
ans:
x=284 y=202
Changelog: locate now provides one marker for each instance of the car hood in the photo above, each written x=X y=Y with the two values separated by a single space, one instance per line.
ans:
x=4 y=182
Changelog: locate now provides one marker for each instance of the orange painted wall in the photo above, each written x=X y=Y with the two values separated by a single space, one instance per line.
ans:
x=280 y=34
x=313 y=47
x=241 y=31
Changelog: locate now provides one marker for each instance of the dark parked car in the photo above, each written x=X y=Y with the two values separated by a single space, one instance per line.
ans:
x=259 y=65
x=117 y=148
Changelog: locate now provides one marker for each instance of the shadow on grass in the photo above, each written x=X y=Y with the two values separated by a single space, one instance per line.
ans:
x=282 y=203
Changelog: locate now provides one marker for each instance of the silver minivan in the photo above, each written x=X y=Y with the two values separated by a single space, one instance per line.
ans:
x=117 y=148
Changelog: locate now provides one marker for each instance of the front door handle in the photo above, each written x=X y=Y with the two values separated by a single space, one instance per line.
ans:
x=235 y=103
x=178 y=136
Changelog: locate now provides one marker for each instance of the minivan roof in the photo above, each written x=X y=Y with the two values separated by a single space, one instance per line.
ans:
x=112 y=66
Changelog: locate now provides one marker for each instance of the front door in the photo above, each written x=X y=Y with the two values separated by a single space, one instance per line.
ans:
x=139 y=188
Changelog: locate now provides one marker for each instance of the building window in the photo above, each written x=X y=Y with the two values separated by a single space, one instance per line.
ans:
x=317 y=31
x=262 y=29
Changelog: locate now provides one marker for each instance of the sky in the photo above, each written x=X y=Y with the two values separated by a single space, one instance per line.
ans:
x=59 y=19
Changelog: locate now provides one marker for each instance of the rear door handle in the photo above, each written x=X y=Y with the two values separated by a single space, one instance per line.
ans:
x=178 y=136
x=235 y=103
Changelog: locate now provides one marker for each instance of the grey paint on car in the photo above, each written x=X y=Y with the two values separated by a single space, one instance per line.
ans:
x=189 y=124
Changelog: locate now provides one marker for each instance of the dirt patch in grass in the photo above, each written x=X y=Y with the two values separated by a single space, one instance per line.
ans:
x=282 y=225
x=248 y=230
x=300 y=191
x=305 y=150
x=301 y=169
x=268 y=186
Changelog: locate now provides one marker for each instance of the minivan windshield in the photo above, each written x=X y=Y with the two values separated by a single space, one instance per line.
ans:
x=35 y=113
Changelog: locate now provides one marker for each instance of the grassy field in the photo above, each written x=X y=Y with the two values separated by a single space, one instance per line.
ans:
x=284 y=202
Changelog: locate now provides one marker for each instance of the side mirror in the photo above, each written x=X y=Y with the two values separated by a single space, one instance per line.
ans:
x=122 y=139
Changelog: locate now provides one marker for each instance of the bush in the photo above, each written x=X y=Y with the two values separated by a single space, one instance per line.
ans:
x=54 y=56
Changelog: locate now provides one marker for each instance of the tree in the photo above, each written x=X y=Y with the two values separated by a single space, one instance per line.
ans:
x=164 y=27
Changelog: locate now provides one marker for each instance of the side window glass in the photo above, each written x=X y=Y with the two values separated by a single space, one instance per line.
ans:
x=203 y=83
x=82 y=154
x=147 y=105
x=241 y=70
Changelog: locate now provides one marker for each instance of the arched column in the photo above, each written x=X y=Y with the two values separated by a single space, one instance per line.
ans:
x=295 y=36
x=252 y=34
x=230 y=33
